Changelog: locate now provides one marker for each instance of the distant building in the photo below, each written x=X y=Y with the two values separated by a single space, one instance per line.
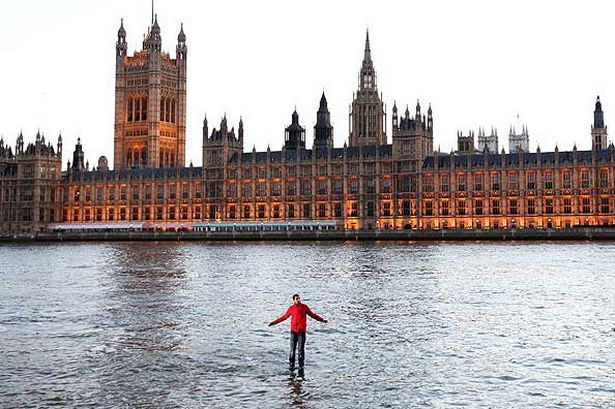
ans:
x=488 y=143
x=518 y=142
x=367 y=183
x=465 y=143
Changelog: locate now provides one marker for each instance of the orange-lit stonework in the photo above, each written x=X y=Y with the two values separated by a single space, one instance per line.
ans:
x=366 y=184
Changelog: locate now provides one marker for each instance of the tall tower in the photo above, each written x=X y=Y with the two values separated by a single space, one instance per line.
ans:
x=150 y=103
x=323 y=130
x=599 y=134
x=367 y=116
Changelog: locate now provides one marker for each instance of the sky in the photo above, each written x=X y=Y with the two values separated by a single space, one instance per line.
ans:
x=479 y=63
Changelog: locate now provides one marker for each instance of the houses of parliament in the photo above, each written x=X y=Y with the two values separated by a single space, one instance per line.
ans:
x=369 y=183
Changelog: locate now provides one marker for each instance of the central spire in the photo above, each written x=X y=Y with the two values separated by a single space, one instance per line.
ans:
x=367 y=75
x=367 y=110
x=152 y=12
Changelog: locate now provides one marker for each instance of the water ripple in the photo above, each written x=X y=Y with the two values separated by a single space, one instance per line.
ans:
x=412 y=325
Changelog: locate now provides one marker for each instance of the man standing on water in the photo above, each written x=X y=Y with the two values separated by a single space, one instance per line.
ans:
x=298 y=325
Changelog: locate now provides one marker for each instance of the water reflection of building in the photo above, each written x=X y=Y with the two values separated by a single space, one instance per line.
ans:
x=367 y=183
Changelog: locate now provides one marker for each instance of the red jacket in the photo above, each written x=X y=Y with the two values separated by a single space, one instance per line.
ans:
x=298 y=320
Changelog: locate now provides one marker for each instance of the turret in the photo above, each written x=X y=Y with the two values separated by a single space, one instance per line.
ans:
x=599 y=131
x=19 y=144
x=121 y=46
x=78 y=157
x=395 y=119
x=153 y=40
x=205 y=130
x=295 y=134
x=182 y=49
x=323 y=130
x=240 y=131
x=429 y=118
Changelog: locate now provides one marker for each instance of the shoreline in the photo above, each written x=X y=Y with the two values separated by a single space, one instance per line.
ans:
x=576 y=233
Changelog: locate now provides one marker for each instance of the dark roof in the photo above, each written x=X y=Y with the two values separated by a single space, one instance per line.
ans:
x=137 y=173
x=547 y=159
x=304 y=155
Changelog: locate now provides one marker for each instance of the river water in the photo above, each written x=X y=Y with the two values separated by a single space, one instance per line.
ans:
x=478 y=325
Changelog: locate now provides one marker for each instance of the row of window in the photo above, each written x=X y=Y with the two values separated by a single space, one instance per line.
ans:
x=338 y=210
x=183 y=191
x=261 y=211
x=147 y=192
x=512 y=207
x=136 y=109
x=369 y=168
x=304 y=187
x=476 y=181
x=27 y=215
x=46 y=194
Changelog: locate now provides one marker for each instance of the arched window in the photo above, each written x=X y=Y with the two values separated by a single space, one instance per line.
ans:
x=162 y=109
x=137 y=109
x=161 y=164
x=173 y=110
x=129 y=109
x=168 y=110
x=144 y=108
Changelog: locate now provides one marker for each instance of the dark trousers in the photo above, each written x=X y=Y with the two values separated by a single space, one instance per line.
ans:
x=297 y=338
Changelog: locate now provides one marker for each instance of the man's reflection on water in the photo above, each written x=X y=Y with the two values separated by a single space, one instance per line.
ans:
x=297 y=395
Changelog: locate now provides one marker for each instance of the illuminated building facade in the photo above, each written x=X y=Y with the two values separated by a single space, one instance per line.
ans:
x=150 y=103
x=368 y=183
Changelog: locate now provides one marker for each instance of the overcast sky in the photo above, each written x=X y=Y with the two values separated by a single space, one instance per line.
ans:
x=479 y=63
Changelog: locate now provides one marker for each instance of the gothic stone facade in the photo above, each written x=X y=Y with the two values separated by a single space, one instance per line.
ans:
x=150 y=103
x=368 y=183
x=30 y=185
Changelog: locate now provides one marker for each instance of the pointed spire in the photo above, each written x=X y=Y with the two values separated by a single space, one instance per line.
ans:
x=598 y=114
x=181 y=37
x=323 y=101
x=155 y=26
x=367 y=55
x=121 y=33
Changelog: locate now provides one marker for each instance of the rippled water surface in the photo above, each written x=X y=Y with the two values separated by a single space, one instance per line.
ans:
x=412 y=325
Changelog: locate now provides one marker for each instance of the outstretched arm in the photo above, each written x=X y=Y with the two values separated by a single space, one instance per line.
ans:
x=315 y=316
x=280 y=319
